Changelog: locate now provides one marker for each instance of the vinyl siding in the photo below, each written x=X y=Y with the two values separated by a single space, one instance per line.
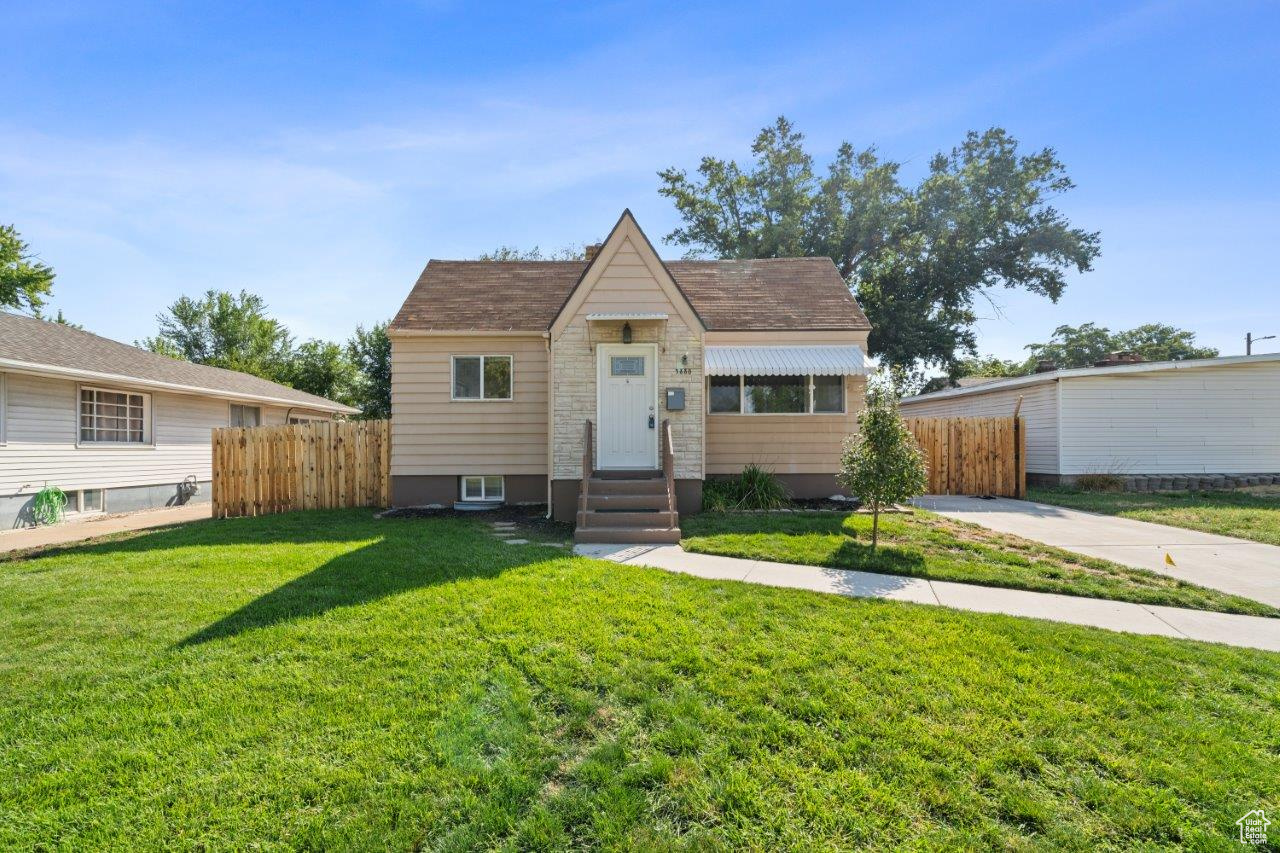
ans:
x=1206 y=420
x=784 y=444
x=433 y=435
x=41 y=425
x=1039 y=411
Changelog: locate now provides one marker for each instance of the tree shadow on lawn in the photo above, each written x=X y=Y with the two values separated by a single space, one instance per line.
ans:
x=409 y=554
x=387 y=557
x=886 y=559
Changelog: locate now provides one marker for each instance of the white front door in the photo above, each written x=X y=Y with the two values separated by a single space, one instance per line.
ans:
x=626 y=406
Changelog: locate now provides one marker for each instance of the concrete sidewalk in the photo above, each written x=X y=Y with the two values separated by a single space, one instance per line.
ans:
x=1247 y=631
x=1224 y=563
x=77 y=531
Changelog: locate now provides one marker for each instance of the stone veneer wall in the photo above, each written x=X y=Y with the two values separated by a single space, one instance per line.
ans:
x=573 y=372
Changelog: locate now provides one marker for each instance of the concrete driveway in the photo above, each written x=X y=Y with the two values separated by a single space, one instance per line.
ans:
x=1232 y=565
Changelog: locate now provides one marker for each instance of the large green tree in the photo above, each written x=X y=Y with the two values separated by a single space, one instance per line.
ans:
x=24 y=280
x=370 y=351
x=323 y=368
x=1083 y=346
x=514 y=253
x=919 y=258
x=227 y=330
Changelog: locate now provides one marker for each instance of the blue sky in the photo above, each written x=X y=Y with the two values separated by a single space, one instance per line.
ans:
x=320 y=153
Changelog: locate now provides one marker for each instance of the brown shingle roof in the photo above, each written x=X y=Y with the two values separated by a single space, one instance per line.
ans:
x=773 y=294
x=40 y=343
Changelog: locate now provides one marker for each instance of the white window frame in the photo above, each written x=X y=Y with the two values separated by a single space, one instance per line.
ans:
x=484 y=492
x=261 y=412
x=148 y=414
x=453 y=382
x=79 y=502
x=809 y=387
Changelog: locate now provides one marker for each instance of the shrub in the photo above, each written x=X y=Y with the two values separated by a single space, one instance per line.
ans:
x=882 y=464
x=754 y=488
x=1099 y=483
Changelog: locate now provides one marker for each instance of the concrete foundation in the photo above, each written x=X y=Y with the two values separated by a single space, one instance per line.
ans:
x=1166 y=482
x=443 y=489
x=15 y=510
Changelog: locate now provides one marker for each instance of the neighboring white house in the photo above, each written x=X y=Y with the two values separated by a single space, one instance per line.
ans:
x=1208 y=416
x=116 y=427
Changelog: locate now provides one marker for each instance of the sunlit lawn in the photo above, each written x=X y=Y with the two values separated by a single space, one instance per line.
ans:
x=925 y=545
x=1247 y=515
x=330 y=681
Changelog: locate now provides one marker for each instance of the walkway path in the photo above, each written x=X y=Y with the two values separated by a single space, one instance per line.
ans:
x=1249 y=631
x=76 y=531
x=1224 y=563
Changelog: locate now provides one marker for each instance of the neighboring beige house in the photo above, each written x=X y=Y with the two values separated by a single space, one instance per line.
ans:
x=115 y=427
x=1160 y=419
x=497 y=367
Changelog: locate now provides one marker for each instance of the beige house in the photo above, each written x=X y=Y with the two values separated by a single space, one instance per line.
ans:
x=115 y=427
x=513 y=380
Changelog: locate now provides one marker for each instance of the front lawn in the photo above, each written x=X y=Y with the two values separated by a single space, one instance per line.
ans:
x=1247 y=515
x=925 y=545
x=328 y=681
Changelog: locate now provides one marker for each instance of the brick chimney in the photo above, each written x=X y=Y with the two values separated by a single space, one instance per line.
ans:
x=1046 y=365
x=591 y=251
x=1120 y=357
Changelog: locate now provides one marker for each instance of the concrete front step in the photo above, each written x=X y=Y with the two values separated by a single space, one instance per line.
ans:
x=628 y=535
x=628 y=474
x=663 y=518
x=647 y=486
x=657 y=500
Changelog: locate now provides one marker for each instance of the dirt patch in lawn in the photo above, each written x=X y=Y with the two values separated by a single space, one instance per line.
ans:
x=528 y=517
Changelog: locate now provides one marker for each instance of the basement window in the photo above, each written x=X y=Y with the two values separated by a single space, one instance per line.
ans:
x=483 y=488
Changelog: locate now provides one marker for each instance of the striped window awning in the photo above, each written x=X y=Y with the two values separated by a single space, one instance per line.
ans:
x=626 y=315
x=845 y=360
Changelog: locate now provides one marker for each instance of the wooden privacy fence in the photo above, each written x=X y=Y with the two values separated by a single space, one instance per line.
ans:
x=973 y=456
x=315 y=465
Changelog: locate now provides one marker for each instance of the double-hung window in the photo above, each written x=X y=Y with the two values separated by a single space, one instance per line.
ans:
x=114 y=417
x=482 y=377
x=245 y=416
x=775 y=395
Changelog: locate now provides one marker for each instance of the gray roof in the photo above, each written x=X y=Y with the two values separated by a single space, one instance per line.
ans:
x=997 y=384
x=52 y=348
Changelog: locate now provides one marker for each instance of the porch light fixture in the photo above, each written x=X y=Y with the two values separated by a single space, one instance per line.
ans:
x=626 y=333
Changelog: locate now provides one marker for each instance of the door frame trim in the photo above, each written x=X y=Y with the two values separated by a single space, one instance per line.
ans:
x=601 y=351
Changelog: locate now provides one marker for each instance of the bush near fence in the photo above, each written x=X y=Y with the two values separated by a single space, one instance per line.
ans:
x=313 y=465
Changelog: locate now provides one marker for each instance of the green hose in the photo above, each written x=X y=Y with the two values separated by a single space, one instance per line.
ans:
x=46 y=507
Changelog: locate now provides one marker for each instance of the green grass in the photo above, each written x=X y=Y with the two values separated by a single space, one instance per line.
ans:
x=330 y=681
x=1253 y=516
x=925 y=545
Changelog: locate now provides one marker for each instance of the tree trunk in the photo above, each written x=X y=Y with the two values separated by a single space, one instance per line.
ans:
x=875 y=525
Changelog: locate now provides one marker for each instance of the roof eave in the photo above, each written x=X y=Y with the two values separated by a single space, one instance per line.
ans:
x=1081 y=372
x=56 y=372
